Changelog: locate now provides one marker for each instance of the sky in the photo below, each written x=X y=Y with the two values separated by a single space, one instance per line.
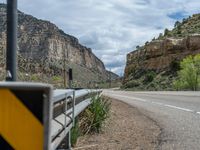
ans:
x=112 y=28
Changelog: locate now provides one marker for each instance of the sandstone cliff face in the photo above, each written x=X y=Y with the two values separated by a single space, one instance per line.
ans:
x=159 y=55
x=43 y=43
x=154 y=66
x=39 y=38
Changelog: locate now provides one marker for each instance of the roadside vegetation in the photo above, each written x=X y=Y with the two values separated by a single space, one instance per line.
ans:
x=189 y=74
x=149 y=81
x=92 y=119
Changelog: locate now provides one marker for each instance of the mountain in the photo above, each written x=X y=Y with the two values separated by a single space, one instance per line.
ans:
x=154 y=65
x=112 y=75
x=44 y=50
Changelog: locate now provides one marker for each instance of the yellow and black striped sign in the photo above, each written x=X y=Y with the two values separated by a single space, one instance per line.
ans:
x=24 y=116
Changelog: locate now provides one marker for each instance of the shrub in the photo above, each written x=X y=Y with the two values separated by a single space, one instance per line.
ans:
x=177 y=23
x=131 y=84
x=178 y=85
x=95 y=115
x=92 y=119
x=174 y=66
x=149 y=77
x=34 y=77
x=166 y=32
x=56 y=78
x=189 y=75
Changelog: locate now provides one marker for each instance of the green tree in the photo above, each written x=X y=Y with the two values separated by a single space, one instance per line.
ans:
x=160 y=36
x=147 y=42
x=177 y=23
x=166 y=32
x=137 y=47
x=189 y=75
x=179 y=29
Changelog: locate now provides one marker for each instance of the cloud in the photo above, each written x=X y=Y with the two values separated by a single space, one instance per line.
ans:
x=178 y=15
x=112 y=28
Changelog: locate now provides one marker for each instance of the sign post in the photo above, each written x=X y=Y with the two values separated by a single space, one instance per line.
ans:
x=11 y=57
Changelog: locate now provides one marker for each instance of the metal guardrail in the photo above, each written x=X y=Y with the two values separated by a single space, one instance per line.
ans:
x=51 y=113
x=67 y=105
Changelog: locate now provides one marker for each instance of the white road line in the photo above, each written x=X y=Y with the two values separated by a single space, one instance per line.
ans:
x=184 y=109
x=157 y=103
x=135 y=98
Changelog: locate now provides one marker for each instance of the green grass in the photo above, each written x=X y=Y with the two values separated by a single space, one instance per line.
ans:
x=95 y=115
x=92 y=119
x=75 y=133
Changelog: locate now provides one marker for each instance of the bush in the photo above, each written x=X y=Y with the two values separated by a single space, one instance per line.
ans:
x=92 y=119
x=166 y=32
x=149 y=77
x=178 y=85
x=95 y=115
x=174 y=66
x=189 y=75
x=131 y=84
x=34 y=77
x=56 y=78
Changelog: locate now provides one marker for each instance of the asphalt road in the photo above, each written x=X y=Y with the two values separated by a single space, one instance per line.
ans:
x=176 y=113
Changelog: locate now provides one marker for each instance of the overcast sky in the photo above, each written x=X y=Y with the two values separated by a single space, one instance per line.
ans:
x=112 y=28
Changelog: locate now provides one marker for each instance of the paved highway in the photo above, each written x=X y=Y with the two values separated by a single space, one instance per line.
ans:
x=177 y=114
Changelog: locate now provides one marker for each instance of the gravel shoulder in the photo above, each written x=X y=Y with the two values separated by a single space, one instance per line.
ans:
x=126 y=129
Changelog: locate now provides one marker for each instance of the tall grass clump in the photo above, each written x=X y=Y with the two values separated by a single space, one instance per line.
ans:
x=75 y=133
x=92 y=119
x=95 y=115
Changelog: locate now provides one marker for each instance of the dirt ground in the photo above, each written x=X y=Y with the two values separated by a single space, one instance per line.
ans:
x=127 y=129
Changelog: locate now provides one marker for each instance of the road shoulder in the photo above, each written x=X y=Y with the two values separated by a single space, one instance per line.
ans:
x=127 y=129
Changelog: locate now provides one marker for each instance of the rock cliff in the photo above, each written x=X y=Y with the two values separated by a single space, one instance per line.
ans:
x=162 y=55
x=44 y=48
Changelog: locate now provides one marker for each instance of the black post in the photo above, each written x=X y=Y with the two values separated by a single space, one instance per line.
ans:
x=110 y=80
x=70 y=77
x=11 y=58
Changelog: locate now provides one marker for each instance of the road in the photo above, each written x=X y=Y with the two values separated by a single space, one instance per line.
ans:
x=176 y=113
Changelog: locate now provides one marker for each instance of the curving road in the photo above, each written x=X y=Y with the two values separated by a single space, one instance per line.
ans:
x=177 y=114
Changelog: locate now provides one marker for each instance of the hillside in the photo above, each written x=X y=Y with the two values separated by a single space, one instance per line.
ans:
x=154 y=65
x=43 y=50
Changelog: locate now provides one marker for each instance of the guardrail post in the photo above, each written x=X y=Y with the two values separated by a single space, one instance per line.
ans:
x=66 y=143
x=73 y=109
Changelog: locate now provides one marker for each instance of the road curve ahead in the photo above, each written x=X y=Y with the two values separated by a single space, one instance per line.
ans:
x=177 y=113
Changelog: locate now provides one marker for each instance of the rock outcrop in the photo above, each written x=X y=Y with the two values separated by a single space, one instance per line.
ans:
x=44 y=44
x=162 y=55
x=159 y=54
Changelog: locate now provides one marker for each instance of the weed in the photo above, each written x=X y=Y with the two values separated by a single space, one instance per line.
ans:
x=95 y=115
x=75 y=133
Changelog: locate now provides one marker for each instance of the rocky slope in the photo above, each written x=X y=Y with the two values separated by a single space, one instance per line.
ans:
x=154 y=65
x=44 y=49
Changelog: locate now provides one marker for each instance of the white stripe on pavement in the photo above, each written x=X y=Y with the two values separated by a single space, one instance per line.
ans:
x=156 y=103
x=134 y=98
x=180 y=108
